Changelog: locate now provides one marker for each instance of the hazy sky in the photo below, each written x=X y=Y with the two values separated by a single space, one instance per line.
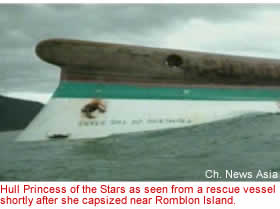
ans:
x=226 y=28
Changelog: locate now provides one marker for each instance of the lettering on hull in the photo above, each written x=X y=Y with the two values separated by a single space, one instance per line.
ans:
x=135 y=122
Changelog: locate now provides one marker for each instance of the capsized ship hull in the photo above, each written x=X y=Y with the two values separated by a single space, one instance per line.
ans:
x=129 y=108
x=110 y=89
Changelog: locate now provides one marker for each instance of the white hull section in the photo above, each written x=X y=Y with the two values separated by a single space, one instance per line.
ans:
x=63 y=117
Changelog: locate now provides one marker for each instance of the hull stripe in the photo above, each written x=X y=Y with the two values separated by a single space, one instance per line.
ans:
x=70 y=89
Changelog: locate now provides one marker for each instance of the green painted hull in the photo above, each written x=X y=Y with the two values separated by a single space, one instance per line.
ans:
x=68 y=89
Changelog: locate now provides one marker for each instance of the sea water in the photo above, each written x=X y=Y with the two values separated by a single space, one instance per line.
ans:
x=247 y=143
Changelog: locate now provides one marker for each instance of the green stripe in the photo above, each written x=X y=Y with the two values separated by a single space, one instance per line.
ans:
x=68 y=89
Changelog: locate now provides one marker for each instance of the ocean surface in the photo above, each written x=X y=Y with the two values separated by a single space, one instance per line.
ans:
x=247 y=143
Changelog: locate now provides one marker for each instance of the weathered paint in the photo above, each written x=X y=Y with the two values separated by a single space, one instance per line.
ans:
x=82 y=60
